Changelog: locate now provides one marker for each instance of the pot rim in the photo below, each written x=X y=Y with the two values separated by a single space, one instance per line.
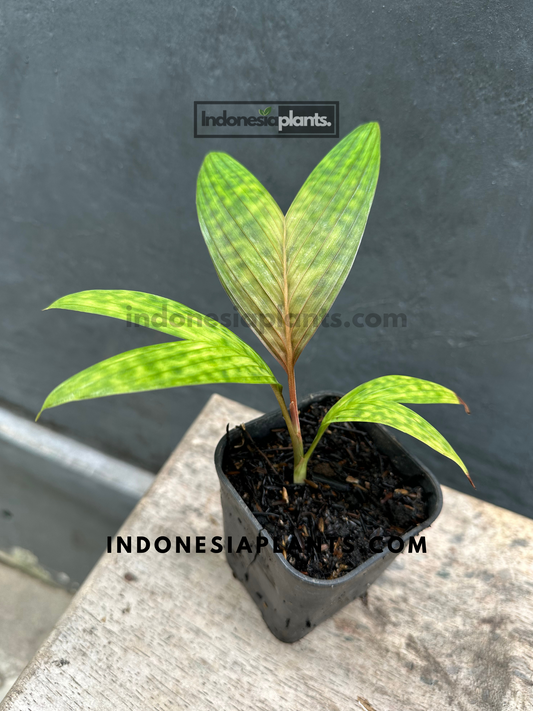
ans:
x=219 y=452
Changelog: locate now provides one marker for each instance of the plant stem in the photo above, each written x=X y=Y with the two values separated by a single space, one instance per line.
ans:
x=297 y=444
x=295 y=435
x=294 y=402
x=300 y=470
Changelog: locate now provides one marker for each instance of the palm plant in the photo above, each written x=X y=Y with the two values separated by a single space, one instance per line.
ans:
x=283 y=273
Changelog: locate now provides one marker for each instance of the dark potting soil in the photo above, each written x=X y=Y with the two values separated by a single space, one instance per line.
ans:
x=352 y=493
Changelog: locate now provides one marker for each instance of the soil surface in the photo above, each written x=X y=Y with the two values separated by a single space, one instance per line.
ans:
x=352 y=494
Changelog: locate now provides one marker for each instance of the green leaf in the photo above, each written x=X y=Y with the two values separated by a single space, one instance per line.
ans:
x=284 y=274
x=244 y=231
x=155 y=312
x=148 y=310
x=211 y=353
x=403 y=388
x=168 y=365
x=261 y=112
x=325 y=225
x=395 y=415
x=267 y=111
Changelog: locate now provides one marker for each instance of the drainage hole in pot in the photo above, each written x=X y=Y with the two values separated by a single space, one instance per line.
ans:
x=308 y=623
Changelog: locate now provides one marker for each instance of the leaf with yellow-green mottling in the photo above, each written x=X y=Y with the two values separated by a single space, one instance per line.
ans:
x=325 y=225
x=155 y=312
x=144 y=309
x=403 y=388
x=243 y=229
x=395 y=415
x=167 y=365
x=283 y=274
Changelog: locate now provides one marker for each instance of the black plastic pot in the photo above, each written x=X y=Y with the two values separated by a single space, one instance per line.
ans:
x=293 y=604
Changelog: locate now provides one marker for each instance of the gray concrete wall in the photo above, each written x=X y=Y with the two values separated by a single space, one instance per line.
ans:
x=97 y=180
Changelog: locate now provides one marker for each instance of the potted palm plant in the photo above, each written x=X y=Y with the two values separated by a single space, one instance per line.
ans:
x=315 y=482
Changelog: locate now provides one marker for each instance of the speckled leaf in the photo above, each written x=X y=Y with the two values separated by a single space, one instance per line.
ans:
x=402 y=388
x=324 y=226
x=283 y=275
x=157 y=313
x=244 y=231
x=148 y=310
x=168 y=365
x=395 y=415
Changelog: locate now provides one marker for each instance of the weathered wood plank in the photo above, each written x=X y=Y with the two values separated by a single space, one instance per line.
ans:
x=452 y=629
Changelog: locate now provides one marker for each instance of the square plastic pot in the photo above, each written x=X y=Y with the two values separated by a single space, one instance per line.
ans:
x=291 y=603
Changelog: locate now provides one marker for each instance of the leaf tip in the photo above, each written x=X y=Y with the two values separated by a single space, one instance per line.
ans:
x=470 y=479
x=54 y=305
x=373 y=131
x=39 y=414
x=213 y=156
x=463 y=403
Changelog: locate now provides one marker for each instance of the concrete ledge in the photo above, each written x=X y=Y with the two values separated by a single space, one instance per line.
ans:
x=29 y=609
x=450 y=629
x=59 y=500
x=93 y=469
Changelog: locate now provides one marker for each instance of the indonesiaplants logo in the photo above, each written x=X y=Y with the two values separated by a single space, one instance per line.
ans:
x=258 y=119
x=266 y=119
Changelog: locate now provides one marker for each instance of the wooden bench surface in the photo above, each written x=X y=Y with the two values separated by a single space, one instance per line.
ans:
x=451 y=629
